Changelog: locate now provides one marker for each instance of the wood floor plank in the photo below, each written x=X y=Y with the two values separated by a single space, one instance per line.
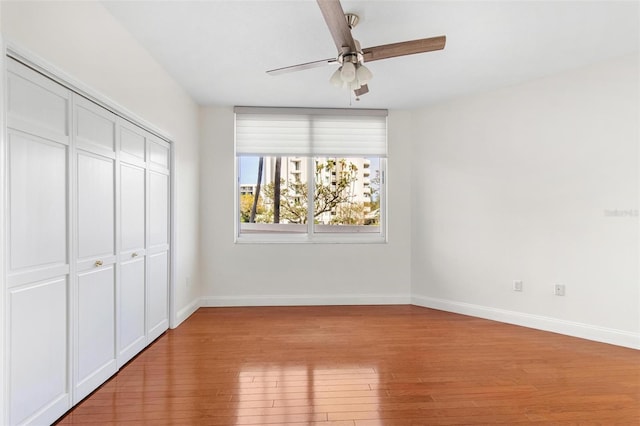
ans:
x=364 y=366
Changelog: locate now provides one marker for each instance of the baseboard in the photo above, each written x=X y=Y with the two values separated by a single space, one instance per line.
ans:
x=187 y=311
x=555 y=325
x=570 y=328
x=316 y=300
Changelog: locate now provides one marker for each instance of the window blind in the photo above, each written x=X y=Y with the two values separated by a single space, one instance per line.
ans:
x=293 y=131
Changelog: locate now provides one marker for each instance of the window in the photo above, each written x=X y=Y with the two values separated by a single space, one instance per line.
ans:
x=310 y=175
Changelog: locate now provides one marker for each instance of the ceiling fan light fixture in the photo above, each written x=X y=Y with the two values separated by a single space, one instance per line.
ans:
x=353 y=74
x=348 y=72
x=363 y=74
x=336 y=78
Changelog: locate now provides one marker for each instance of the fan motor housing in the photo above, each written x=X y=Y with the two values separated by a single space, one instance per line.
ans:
x=353 y=57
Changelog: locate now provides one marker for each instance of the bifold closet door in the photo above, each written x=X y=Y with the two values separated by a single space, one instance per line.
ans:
x=95 y=293
x=158 y=239
x=37 y=258
x=132 y=256
x=87 y=247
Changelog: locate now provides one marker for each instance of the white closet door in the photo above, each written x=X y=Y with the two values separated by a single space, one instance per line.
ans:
x=131 y=299
x=87 y=247
x=158 y=240
x=95 y=324
x=37 y=281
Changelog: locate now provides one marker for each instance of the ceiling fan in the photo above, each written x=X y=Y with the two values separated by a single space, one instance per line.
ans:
x=352 y=73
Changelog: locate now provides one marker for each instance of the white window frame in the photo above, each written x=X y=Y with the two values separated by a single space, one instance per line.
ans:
x=345 y=234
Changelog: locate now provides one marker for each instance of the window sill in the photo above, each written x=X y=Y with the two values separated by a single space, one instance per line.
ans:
x=333 y=238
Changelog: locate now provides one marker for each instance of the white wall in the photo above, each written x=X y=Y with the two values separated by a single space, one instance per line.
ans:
x=521 y=183
x=280 y=274
x=85 y=41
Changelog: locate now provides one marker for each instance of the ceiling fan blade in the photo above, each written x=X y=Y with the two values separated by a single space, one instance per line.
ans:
x=337 y=23
x=300 y=67
x=362 y=90
x=404 y=48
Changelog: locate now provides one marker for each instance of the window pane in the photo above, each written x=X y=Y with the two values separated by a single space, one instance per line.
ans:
x=347 y=194
x=346 y=197
x=267 y=207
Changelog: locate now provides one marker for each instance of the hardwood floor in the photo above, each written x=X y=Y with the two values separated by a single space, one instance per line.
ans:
x=365 y=365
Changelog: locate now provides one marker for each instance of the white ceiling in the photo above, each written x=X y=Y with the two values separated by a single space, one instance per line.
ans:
x=219 y=50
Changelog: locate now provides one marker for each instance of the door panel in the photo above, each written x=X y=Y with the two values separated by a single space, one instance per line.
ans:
x=131 y=318
x=159 y=154
x=132 y=208
x=132 y=144
x=38 y=202
x=39 y=351
x=36 y=104
x=95 y=206
x=95 y=356
x=158 y=209
x=157 y=295
x=95 y=127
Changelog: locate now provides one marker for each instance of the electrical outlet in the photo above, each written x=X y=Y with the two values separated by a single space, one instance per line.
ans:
x=558 y=289
x=517 y=285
